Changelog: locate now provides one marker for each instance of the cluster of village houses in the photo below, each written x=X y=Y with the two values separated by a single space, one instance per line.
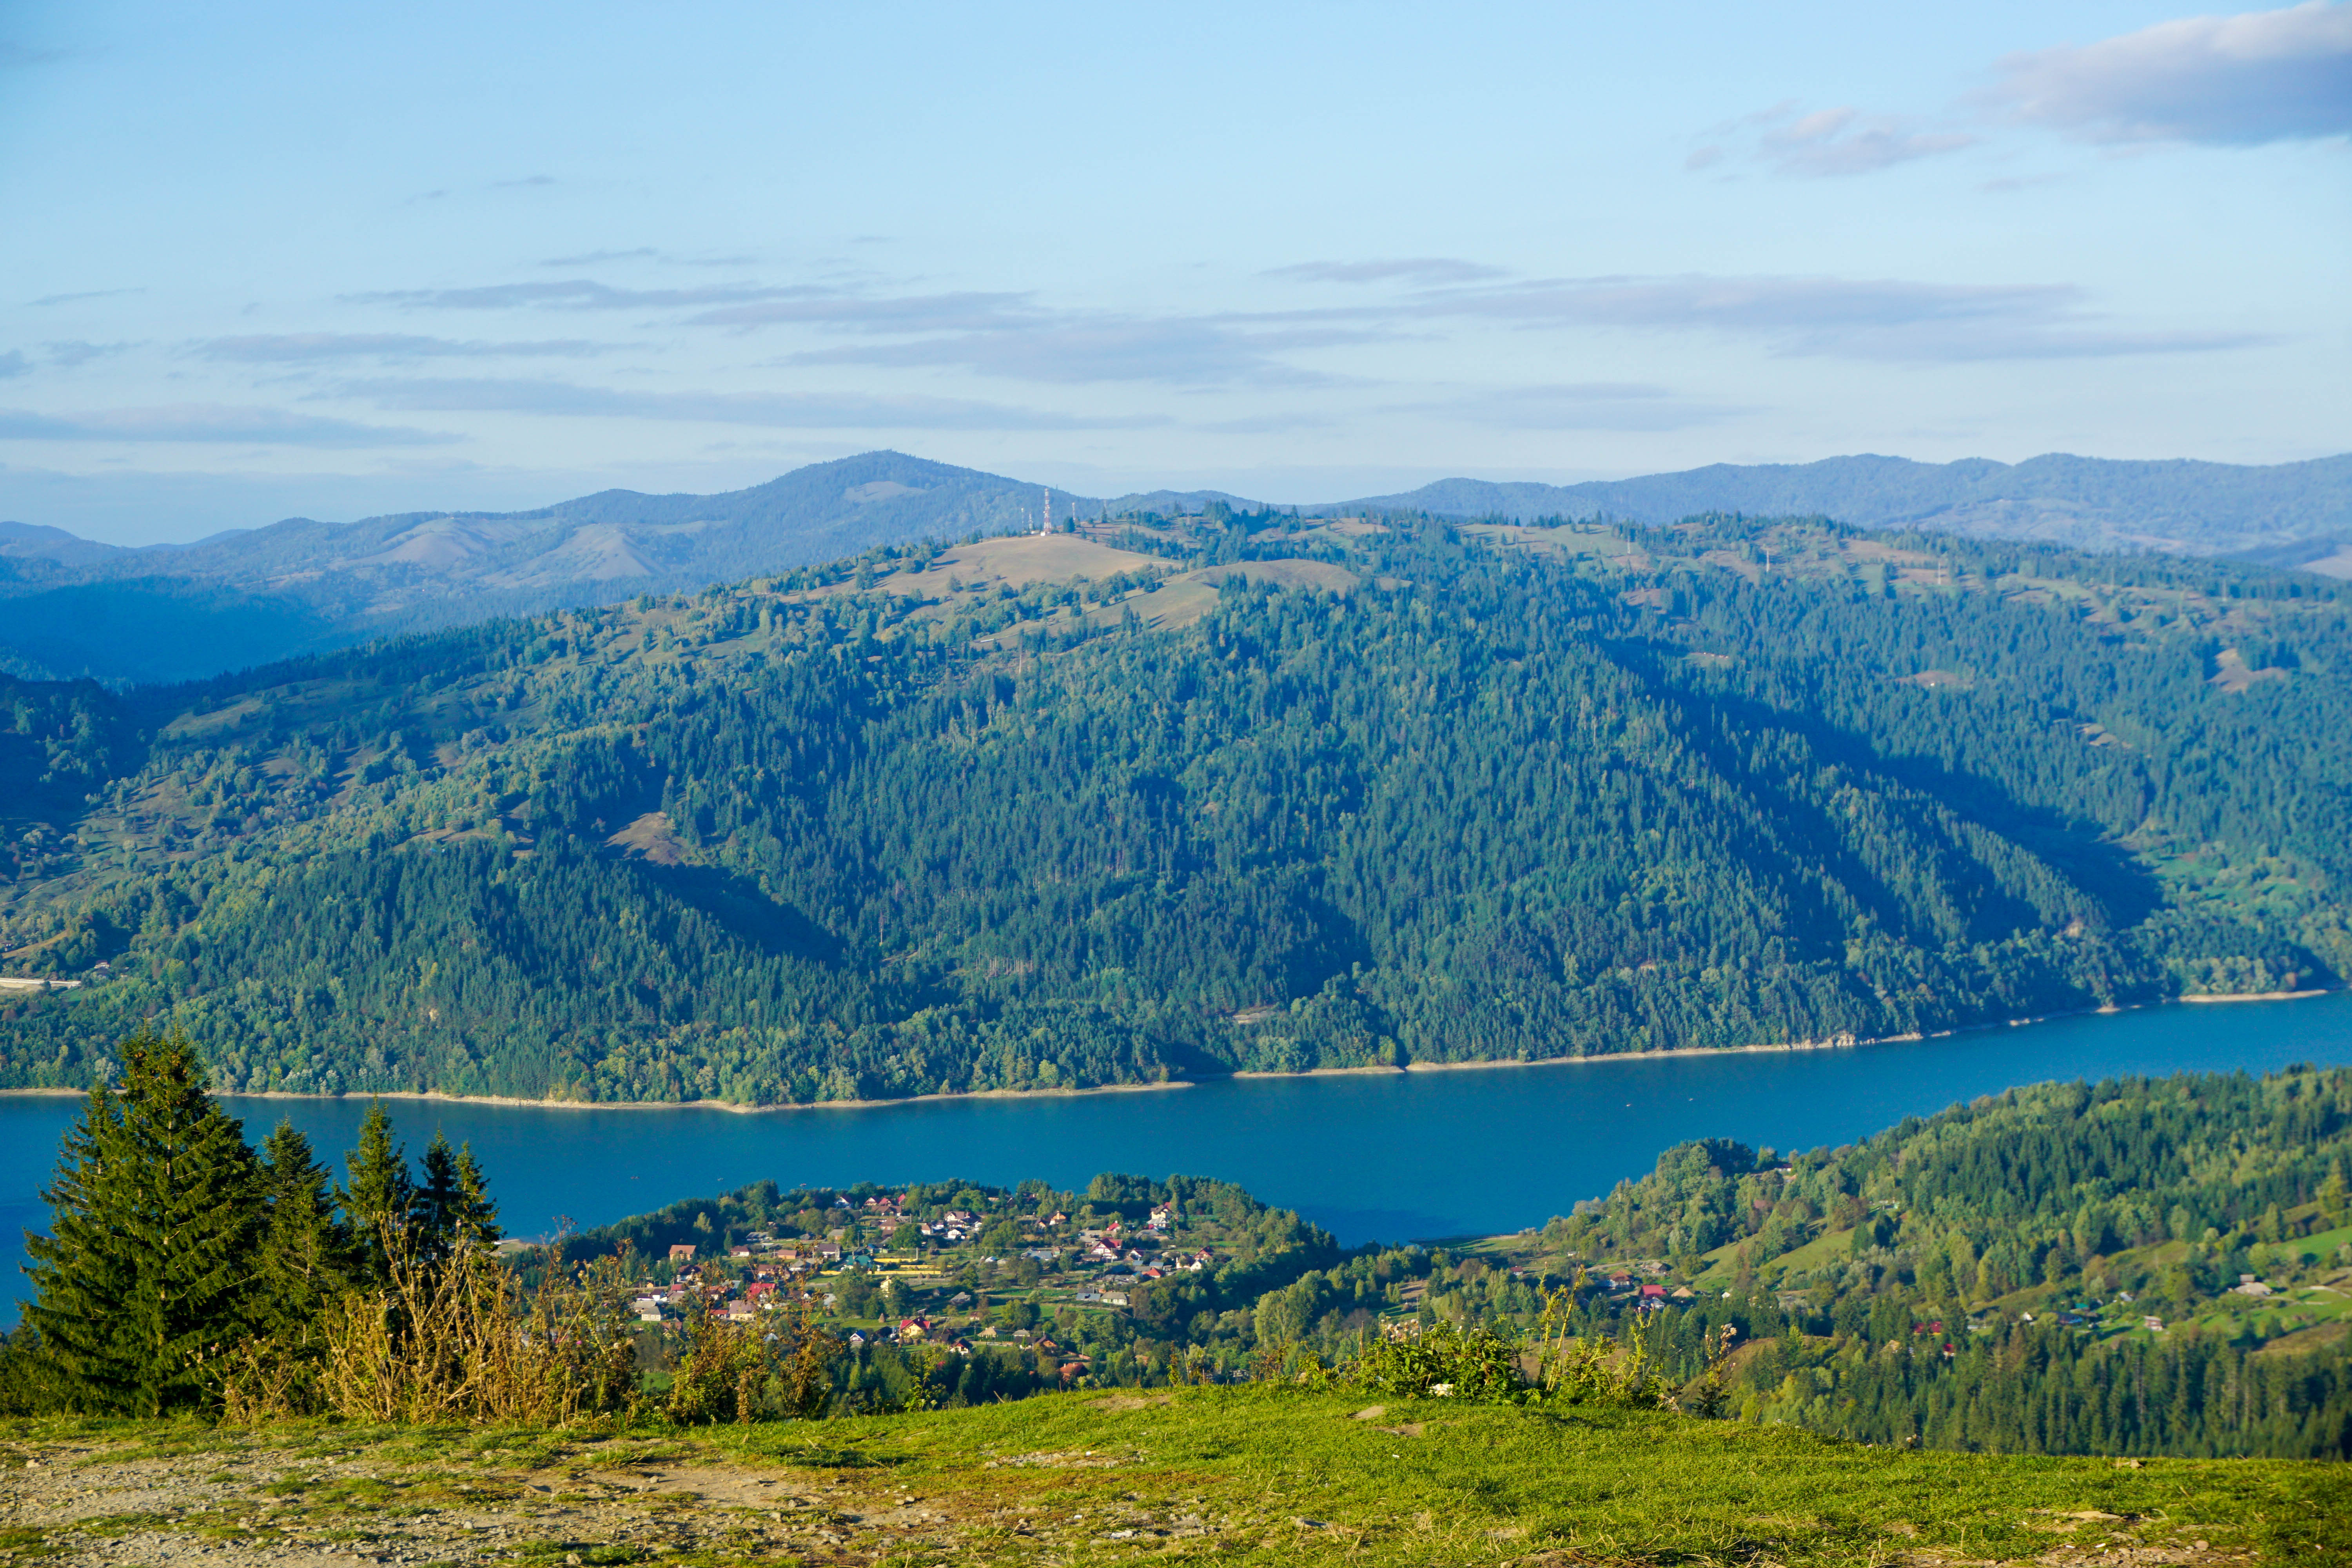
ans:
x=1639 y=1285
x=780 y=1271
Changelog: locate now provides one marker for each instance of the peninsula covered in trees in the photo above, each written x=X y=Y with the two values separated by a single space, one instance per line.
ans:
x=1169 y=796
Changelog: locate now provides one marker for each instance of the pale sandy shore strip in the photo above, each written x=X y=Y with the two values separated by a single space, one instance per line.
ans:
x=1602 y=1057
x=1598 y=1059
x=2256 y=996
x=435 y=1095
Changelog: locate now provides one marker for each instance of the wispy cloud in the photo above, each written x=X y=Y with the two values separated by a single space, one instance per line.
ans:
x=573 y=294
x=14 y=363
x=1284 y=424
x=1870 y=318
x=1011 y=336
x=778 y=410
x=1578 y=406
x=208 y=422
x=314 y=348
x=597 y=258
x=965 y=311
x=86 y=294
x=1827 y=142
x=2237 y=80
x=526 y=183
x=1174 y=350
x=648 y=253
x=2265 y=76
x=1424 y=269
x=76 y=351
x=15 y=57
x=1015 y=336
x=1007 y=334
x=1839 y=141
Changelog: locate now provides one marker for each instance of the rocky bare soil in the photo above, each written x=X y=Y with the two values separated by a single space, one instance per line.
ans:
x=231 y=1501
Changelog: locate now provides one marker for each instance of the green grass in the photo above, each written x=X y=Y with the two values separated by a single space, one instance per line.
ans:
x=1487 y=1483
x=19 y=1545
x=2320 y=1247
x=1719 y=1269
x=1825 y=1250
x=1276 y=1476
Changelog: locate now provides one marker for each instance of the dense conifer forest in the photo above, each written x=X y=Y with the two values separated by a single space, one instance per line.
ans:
x=1173 y=797
x=2139 y=1266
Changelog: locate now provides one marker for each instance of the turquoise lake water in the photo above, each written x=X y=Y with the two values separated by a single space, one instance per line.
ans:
x=1393 y=1157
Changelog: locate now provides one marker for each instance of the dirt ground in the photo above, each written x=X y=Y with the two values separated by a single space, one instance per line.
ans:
x=234 y=1503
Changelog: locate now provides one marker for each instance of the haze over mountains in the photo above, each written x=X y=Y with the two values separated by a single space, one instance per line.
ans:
x=70 y=606
x=2296 y=514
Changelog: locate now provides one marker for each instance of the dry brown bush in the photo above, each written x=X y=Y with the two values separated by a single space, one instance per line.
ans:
x=456 y=1339
x=739 y=1372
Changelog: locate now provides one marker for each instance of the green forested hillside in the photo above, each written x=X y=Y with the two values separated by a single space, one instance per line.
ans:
x=1193 y=794
x=2135 y=1266
x=2132 y=1266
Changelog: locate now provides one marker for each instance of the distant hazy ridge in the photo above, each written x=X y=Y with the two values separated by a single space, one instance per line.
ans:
x=168 y=612
x=2198 y=508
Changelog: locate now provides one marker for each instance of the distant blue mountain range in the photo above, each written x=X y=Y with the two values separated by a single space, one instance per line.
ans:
x=70 y=606
x=2290 y=513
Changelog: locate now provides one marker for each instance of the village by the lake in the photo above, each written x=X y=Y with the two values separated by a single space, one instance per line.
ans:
x=1084 y=1289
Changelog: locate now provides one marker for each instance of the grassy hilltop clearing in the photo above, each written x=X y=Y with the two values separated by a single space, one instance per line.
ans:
x=1166 y=797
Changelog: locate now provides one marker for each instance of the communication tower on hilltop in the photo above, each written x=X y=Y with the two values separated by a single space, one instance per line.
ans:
x=1047 y=526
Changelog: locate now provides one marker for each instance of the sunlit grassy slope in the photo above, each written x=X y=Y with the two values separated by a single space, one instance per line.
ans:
x=1225 y=1475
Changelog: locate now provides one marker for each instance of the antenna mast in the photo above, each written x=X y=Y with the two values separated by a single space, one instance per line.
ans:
x=1047 y=526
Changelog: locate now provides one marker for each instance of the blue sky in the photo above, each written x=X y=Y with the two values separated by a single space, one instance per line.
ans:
x=275 y=259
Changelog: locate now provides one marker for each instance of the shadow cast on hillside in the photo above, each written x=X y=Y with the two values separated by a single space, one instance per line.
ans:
x=778 y=929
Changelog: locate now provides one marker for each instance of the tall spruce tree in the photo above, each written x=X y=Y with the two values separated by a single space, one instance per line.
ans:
x=451 y=1211
x=149 y=1268
x=433 y=1209
x=305 y=1253
x=474 y=1220
x=380 y=1196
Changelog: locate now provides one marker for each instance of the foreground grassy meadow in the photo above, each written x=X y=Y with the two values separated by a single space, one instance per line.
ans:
x=1209 y=1475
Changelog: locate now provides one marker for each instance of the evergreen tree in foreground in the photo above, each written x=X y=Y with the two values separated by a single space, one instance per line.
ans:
x=450 y=1211
x=150 y=1268
x=474 y=1218
x=307 y=1253
x=172 y=1244
x=380 y=1198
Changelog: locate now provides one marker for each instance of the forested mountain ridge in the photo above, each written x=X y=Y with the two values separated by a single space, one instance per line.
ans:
x=1174 y=796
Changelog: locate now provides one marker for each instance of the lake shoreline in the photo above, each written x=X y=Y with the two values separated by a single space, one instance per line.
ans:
x=432 y=1095
x=729 y=1105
